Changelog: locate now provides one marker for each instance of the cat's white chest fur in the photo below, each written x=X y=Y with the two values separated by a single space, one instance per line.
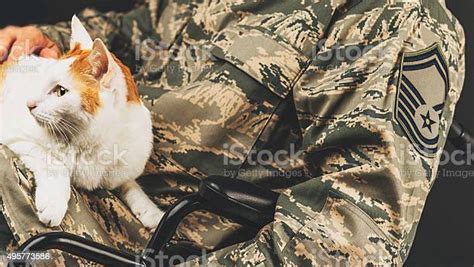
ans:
x=78 y=121
x=112 y=157
x=111 y=154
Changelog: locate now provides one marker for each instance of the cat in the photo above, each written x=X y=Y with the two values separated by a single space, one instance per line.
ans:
x=67 y=119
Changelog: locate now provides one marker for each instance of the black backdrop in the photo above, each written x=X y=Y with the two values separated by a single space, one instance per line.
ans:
x=446 y=233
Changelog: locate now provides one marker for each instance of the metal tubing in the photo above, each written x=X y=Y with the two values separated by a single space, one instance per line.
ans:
x=170 y=221
x=80 y=247
x=459 y=137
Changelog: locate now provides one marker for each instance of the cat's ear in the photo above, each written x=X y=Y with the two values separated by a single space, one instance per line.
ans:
x=102 y=63
x=79 y=35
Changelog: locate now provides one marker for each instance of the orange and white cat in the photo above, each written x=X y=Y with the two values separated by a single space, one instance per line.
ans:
x=77 y=121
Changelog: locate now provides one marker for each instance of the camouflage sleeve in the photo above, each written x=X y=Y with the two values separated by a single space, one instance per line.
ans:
x=374 y=122
x=118 y=30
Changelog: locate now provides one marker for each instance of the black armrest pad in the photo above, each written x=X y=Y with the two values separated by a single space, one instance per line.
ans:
x=239 y=200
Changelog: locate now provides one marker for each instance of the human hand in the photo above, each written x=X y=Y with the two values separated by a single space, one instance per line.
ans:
x=21 y=41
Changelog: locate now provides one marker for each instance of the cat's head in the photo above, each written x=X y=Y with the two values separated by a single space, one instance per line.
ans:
x=85 y=83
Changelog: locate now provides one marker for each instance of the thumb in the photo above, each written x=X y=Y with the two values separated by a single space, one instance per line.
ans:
x=49 y=53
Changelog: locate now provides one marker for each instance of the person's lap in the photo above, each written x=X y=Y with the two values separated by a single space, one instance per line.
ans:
x=97 y=215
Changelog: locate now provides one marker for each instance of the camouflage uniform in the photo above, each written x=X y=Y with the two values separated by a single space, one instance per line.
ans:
x=322 y=77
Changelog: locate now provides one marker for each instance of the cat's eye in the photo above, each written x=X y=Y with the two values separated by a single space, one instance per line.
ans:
x=60 y=91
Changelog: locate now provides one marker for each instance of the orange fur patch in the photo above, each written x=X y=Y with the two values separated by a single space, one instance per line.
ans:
x=75 y=51
x=88 y=86
x=82 y=67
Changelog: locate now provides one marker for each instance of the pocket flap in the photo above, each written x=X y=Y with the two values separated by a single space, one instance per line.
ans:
x=268 y=59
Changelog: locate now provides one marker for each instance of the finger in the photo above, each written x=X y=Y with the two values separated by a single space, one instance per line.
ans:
x=19 y=48
x=49 y=53
x=25 y=46
x=29 y=41
x=47 y=48
x=50 y=45
x=6 y=41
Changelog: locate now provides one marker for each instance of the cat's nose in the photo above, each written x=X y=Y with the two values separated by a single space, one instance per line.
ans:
x=31 y=105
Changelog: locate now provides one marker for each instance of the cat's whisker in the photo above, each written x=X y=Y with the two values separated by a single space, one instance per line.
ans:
x=63 y=134
x=68 y=130
x=54 y=129
x=70 y=125
x=55 y=132
x=59 y=128
x=51 y=130
x=72 y=130
x=43 y=120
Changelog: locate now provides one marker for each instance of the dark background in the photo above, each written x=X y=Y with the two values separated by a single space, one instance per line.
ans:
x=446 y=233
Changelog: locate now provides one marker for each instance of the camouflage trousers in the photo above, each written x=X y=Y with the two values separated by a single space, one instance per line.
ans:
x=98 y=215
x=88 y=212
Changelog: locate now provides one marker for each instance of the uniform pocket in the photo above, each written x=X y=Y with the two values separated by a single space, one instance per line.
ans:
x=270 y=60
x=351 y=210
x=341 y=233
x=210 y=125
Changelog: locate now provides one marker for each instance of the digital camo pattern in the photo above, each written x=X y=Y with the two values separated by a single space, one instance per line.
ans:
x=96 y=215
x=227 y=79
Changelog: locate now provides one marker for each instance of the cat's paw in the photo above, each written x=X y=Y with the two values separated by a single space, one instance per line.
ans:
x=51 y=206
x=149 y=215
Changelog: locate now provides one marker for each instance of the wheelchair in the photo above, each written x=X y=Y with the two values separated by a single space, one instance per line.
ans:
x=247 y=204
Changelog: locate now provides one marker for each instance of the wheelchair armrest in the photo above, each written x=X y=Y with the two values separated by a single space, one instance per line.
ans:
x=245 y=203
x=239 y=200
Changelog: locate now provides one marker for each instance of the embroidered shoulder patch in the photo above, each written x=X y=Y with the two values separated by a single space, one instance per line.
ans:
x=422 y=91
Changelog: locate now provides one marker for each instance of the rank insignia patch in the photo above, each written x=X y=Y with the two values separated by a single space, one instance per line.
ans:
x=422 y=90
